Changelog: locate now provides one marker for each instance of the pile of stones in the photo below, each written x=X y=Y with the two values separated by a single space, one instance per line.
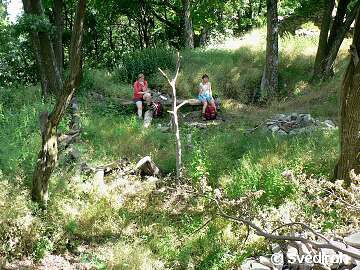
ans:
x=296 y=123
x=299 y=256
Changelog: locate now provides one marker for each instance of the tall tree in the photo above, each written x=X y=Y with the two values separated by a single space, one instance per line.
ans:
x=48 y=154
x=45 y=48
x=269 y=81
x=58 y=40
x=350 y=113
x=188 y=27
x=332 y=34
x=36 y=48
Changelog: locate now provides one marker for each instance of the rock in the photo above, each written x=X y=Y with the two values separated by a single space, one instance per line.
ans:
x=274 y=128
x=282 y=132
x=294 y=117
x=253 y=265
x=353 y=240
x=147 y=167
x=266 y=261
x=271 y=123
x=292 y=257
x=280 y=116
x=306 y=119
x=246 y=265
x=329 y=124
x=259 y=266
x=331 y=257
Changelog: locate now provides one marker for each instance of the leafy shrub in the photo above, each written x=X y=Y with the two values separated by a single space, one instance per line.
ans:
x=145 y=61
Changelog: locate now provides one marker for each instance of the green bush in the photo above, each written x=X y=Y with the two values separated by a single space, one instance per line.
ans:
x=145 y=61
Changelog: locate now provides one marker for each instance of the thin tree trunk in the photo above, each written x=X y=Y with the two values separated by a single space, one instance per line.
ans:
x=188 y=26
x=331 y=37
x=350 y=114
x=47 y=52
x=49 y=122
x=36 y=47
x=58 y=42
x=269 y=82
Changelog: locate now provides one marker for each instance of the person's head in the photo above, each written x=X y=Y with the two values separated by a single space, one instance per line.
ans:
x=141 y=77
x=205 y=78
x=147 y=97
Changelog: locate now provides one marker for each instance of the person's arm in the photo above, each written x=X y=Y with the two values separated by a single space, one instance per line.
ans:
x=210 y=90
x=146 y=88
x=136 y=88
x=200 y=89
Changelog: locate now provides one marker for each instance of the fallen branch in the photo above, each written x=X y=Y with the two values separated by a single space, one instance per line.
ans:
x=329 y=244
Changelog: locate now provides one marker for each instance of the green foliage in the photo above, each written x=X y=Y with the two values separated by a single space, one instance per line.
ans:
x=33 y=23
x=42 y=247
x=145 y=61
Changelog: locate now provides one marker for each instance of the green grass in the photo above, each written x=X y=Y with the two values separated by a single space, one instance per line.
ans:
x=145 y=231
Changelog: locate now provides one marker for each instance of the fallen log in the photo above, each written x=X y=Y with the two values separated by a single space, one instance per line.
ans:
x=188 y=102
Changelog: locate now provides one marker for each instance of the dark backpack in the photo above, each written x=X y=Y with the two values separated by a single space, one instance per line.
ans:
x=157 y=109
x=210 y=112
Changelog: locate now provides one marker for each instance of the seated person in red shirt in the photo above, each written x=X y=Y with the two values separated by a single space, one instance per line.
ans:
x=140 y=88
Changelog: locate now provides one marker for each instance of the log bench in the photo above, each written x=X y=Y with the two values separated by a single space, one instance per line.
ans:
x=193 y=102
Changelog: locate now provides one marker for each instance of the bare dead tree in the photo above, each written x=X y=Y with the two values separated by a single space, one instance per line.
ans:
x=174 y=114
x=316 y=244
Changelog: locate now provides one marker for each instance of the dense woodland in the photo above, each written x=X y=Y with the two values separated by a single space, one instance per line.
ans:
x=88 y=183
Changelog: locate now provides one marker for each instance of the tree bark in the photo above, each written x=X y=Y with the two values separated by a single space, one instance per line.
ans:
x=269 y=82
x=188 y=26
x=47 y=157
x=47 y=52
x=350 y=114
x=58 y=41
x=332 y=34
x=36 y=47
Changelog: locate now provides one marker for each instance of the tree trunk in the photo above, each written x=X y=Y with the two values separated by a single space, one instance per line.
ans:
x=36 y=47
x=188 y=27
x=49 y=122
x=350 y=114
x=58 y=42
x=269 y=82
x=331 y=37
x=47 y=52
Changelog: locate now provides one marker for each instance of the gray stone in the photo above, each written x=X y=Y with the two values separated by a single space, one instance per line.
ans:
x=274 y=128
x=306 y=119
x=294 y=116
x=353 y=240
x=266 y=261
x=246 y=265
x=329 y=124
x=332 y=257
x=280 y=116
x=282 y=132
x=259 y=266
x=292 y=255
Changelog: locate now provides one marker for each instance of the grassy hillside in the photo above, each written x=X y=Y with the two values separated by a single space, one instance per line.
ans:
x=145 y=231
